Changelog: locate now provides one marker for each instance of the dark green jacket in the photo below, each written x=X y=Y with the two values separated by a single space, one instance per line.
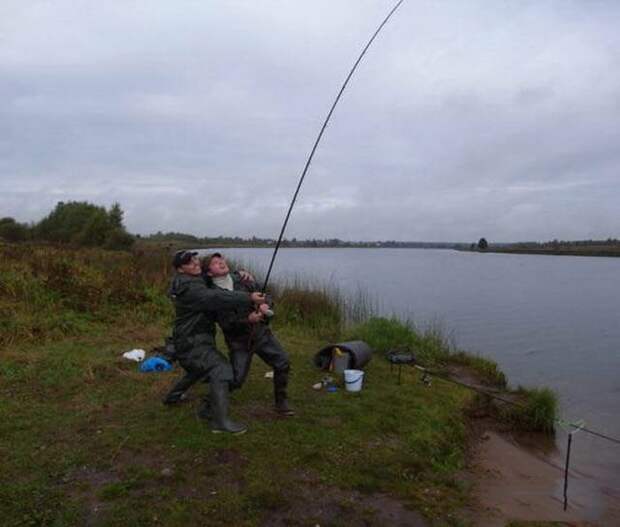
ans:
x=234 y=322
x=197 y=308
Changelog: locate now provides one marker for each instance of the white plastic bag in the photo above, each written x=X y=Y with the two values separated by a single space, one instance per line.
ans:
x=136 y=355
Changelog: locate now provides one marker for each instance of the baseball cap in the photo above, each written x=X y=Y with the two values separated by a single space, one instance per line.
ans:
x=183 y=257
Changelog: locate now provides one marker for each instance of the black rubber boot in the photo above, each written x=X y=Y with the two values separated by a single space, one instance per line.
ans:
x=204 y=412
x=220 y=422
x=177 y=394
x=280 y=383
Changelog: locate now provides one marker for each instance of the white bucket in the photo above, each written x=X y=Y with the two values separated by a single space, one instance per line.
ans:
x=353 y=380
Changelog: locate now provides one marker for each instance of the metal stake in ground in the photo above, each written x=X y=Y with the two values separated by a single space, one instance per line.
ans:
x=570 y=442
x=577 y=426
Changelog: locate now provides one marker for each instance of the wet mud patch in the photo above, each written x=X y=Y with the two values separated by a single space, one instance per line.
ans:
x=150 y=477
x=205 y=476
x=317 y=504
x=258 y=412
x=84 y=486
x=229 y=457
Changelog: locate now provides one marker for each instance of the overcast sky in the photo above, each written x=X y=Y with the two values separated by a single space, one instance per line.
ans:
x=465 y=119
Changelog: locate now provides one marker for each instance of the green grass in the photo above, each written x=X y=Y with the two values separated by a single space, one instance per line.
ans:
x=487 y=370
x=389 y=334
x=84 y=439
x=536 y=409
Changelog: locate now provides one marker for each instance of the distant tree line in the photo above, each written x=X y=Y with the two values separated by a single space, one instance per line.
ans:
x=555 y=244
x=75 y=222
x=85 y=224
x=236 y=241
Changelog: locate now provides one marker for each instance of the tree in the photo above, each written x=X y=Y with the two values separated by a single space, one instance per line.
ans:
x=116 y=216
x=482 y=244
x=66 y=223
x=12 y=231
x=95 y=230
x=86 y=224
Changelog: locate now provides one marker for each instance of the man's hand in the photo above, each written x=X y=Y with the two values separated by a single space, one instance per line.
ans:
x=246 y=277
x=258 y=298
x=255 y=317
x=264 y=309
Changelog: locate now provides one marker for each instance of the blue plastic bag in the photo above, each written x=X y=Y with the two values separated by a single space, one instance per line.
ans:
x=155 y=364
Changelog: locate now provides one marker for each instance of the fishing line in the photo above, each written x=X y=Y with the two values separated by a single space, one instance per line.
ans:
x=318 y=140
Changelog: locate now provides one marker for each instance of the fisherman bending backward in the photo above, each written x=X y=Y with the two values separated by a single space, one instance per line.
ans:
x=196 y=309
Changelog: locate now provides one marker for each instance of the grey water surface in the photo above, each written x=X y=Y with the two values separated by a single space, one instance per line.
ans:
x=546 y=320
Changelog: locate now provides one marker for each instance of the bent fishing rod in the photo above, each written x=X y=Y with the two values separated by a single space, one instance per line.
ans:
x=318 y=140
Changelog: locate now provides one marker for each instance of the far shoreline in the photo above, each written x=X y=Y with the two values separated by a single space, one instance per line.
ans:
x=611 y=252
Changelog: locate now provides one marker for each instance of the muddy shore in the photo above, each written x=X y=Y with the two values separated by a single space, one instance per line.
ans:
x=518 y=480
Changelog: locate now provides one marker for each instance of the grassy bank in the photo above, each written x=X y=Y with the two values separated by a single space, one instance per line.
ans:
x=84 y=439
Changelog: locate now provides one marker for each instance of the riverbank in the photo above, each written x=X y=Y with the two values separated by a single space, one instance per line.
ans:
x=85 y=440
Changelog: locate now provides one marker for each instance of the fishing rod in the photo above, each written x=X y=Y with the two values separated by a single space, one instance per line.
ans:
x=318 y=140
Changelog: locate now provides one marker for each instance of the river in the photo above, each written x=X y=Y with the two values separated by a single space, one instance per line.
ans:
x=546 y=320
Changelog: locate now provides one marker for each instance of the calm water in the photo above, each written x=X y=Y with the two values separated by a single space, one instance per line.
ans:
x=547 y=320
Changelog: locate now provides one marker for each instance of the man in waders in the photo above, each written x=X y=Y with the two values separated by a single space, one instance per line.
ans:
x=246 y=333
x=194 y=337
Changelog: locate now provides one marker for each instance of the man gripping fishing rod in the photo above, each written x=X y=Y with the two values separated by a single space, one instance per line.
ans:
x=245 y=332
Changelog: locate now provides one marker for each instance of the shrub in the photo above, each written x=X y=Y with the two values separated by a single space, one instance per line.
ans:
x=311 y=306
x=118 y=240
x=12 y=231
x=49 y=292
x=385 y=334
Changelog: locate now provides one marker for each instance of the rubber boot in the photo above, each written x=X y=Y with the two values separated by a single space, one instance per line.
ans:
x=220 y=422
x=280 y=383
x=177 y=394
x=204 y=412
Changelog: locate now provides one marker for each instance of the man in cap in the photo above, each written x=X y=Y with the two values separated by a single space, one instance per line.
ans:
x=245 y=333
x=196 y=309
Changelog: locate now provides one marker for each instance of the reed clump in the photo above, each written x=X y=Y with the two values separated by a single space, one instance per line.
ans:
x=536 y=410
x=312 y=305
x=315 y=310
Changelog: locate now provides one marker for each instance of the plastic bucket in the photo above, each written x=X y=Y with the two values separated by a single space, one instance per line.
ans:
x=353 y=380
